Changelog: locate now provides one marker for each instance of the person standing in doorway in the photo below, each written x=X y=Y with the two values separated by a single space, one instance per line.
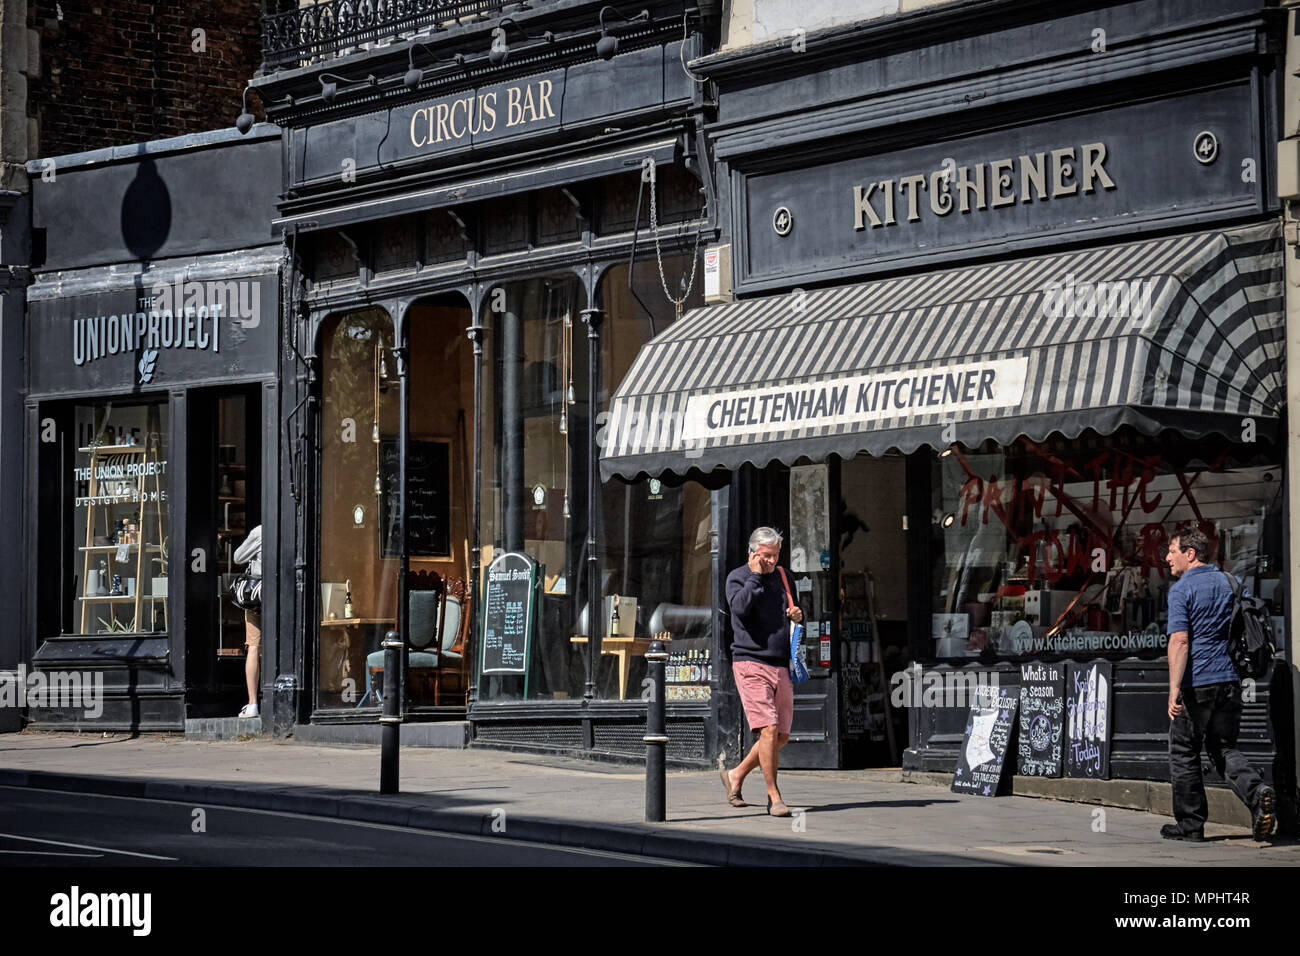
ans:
x=1205 y=694
x=250 y=553
x=758 y=597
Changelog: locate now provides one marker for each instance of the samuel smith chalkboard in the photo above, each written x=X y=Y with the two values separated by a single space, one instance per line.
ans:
x=508 y=605
x=984 y=746
x=428 y=498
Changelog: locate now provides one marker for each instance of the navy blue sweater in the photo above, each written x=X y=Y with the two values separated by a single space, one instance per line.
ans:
x=761 y=629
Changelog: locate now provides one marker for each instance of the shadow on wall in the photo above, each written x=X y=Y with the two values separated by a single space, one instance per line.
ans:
x=146 y=212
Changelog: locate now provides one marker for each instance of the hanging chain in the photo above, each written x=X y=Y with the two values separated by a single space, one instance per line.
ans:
x=659 y=255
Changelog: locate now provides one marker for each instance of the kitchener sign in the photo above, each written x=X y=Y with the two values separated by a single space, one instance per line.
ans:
x=858 y=400
x=1109 y=172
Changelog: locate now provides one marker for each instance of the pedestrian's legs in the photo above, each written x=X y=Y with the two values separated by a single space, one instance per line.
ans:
x=253 y=665
x=750 y=763
x=1185 y=736
x=1221 y=744
x=769 y=745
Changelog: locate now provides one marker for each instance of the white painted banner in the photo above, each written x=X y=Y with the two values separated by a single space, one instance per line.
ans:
x=899 y=394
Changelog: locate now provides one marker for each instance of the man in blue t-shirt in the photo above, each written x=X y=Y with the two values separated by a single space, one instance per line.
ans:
x=1205 y=694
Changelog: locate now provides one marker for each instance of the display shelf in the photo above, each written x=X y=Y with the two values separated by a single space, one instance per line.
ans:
x=148 y=512
x=115 y=598
x=113 y=450
x=113 y=547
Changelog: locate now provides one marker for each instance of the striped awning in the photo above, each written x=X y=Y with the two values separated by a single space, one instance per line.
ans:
x=1183 y=332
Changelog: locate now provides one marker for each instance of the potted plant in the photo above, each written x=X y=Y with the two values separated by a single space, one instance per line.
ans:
x=160 y=580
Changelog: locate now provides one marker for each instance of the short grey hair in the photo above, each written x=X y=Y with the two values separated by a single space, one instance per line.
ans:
x=762 y=536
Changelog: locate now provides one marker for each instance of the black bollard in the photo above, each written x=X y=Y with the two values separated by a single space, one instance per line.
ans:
x=391 y=720
x=656 y=736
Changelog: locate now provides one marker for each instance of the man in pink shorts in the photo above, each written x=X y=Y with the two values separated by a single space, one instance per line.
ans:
x=761 y=612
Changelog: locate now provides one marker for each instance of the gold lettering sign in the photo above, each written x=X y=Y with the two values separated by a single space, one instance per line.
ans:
x=1070 y=171
x=476 y=113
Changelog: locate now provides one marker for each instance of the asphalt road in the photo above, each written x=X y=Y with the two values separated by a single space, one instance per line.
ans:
x=47 y=828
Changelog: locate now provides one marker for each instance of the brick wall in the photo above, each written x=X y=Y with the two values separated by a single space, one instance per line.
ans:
x=114 y=72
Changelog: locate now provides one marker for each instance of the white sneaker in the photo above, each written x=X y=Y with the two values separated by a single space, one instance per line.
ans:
x=250 y=710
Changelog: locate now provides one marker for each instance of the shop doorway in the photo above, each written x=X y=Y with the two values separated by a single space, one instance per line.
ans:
x=872 y=545
x=223 y=503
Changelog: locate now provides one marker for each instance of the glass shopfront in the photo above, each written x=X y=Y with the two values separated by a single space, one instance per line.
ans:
x=1056 y=549
x=653 y=539
x=117 y=565
x=358 y=577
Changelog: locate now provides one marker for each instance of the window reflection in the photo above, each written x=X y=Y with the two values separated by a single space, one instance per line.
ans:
x=1060 y=550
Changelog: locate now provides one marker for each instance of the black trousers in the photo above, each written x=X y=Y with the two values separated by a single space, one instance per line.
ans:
x=1211 y=716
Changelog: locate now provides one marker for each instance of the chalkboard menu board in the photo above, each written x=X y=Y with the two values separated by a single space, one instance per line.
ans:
x=1042 y=720
x=984 y=746
x=1087 y=709
x=508 y=613
x=428 y=498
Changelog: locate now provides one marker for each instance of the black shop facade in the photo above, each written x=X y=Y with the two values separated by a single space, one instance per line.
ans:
x=508 y=230
x=151 y=405
x=989 y=344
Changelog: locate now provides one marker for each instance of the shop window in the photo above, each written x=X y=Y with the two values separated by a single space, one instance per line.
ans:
x=537 y=476
x=655 y=547
x=1060 y=551
x=655 y=537
x=358 y=576
x=121 y=559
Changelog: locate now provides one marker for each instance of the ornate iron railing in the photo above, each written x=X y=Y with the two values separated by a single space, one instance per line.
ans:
x=326 y=29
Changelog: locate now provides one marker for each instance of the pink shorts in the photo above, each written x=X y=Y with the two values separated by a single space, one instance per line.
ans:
x=766 y=693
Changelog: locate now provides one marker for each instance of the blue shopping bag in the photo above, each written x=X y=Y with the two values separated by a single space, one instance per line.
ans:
x=798 y=669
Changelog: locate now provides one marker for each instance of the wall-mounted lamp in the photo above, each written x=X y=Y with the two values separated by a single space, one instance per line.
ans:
x=500 y=50
x=329 y=85
x=246 y=119
x=414 y=77
x=607 y=45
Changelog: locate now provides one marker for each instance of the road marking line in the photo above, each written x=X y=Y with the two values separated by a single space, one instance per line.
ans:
x=83 y=846
x=48 y=853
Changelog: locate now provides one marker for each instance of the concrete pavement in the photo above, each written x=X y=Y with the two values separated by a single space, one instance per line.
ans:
x=849 y=817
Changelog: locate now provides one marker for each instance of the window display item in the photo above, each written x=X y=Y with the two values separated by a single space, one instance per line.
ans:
x=620 y=615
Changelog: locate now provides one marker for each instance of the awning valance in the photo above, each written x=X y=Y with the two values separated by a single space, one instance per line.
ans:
x=1183 y=332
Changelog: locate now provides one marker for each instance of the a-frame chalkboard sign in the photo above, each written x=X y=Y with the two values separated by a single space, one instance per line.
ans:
x=509 y=613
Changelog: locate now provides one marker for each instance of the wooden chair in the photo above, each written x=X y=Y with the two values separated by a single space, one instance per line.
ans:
x=427 y=609
x=453 y=633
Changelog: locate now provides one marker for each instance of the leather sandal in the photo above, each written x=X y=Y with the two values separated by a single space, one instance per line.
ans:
x=733 y=796
x=777 y=808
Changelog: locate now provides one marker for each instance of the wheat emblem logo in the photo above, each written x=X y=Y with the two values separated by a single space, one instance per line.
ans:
x=147 y=363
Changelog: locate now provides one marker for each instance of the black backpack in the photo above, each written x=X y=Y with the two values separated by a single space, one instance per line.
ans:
x=1250 y=634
